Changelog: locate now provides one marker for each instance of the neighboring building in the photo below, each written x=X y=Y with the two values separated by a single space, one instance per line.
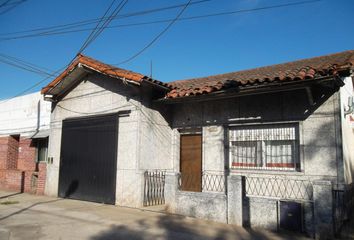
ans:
x=24 y=131
x=269 y=147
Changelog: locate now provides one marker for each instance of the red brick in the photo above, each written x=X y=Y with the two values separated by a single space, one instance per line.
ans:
x=18 y=166
x=42 y=173
x=27 y=155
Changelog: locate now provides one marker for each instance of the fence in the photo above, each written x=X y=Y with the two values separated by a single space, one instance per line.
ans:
x=277 y=187
x=154 y=188
x=204 y=182
x=343 y=204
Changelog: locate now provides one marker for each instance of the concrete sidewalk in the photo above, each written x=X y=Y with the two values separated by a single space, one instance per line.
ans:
x=39 y=217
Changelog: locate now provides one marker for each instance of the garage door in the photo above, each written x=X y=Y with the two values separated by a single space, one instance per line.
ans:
x=89 y=158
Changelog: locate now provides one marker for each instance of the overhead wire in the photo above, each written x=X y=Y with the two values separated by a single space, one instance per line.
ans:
x=174 y=20
x=95 y=20
x=10 y=5
x=98 y=24
x=25 y=65
x=156 y=37
x=56 y=32
x=86 y=43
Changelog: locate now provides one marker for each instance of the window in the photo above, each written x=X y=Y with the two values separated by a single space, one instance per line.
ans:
x=265 y=147
x=42 y=148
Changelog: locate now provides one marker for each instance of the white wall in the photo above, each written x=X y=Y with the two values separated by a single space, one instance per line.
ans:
x=24 y=115
x=143 y=135
x=347 y=131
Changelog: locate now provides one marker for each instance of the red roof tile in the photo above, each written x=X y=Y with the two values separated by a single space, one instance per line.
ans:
x=100 y=67
x=329 y=65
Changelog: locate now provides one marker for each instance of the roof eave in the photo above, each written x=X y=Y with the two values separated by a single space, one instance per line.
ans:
x=253 y=90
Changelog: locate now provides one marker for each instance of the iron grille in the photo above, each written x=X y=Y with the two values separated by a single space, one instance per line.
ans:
x=265 y=147
x=210 y=182
x=282 y=188
x=154 y=188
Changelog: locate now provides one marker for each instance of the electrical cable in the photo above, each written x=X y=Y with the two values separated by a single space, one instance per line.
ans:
x=86 y=43
x=157 y=36
x=95 y=20
x=56 y=32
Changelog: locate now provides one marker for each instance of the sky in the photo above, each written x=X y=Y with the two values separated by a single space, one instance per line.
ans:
x=190 y=48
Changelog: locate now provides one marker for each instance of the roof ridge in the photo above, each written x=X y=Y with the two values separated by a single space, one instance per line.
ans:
x=330 y=65
x=269 y=66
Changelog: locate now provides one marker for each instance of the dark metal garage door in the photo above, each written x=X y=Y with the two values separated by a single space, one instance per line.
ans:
x=88 y=159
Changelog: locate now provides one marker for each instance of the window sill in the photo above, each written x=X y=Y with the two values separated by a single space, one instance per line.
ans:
x=237 y=171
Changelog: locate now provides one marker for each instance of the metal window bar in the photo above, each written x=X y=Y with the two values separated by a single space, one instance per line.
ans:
x=210 y=182
x=154 y=188
x=274 y=148
x=281 y=188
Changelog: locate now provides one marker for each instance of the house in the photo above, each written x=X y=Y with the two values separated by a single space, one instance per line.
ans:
x=24 y=132
x=266 y=147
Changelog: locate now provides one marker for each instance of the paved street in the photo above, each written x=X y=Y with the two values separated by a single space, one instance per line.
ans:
x=24 y=216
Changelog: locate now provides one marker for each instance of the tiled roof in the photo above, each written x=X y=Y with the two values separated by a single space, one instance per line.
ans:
x=329 y=65
x=311 y=68
x=100 y=67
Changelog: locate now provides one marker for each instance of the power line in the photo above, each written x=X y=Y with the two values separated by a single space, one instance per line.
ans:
x=98 y=24
x=99 y=29
x=164 y=20
x=95 y=20
x=22 y=64
x=208 y=15
x=24 y=68
x=157 y=36
x=186 y=18
x=10 y=5
x=86 y=43
x=5 y=3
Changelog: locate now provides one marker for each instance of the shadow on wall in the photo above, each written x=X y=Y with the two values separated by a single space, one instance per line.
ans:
x=72 y=188
x=178 y=227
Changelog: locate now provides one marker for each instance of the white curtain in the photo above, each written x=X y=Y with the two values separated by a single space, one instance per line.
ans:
x=270 y=147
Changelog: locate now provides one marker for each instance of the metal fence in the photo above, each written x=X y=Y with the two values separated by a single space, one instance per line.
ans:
x=154 y=188
x=206 y=182
x=343 y=204
x=279 y=187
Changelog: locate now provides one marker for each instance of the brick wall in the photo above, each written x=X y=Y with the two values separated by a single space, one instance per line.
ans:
x=12 y=152
x=3 y=152
x=11 y=180
x=42 y=173
x=27 y=155
x=18 y=166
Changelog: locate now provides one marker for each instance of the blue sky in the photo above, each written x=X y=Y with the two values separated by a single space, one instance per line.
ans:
x=189 y=49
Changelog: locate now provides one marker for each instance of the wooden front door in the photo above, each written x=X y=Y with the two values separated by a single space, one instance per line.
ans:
x=191 y=162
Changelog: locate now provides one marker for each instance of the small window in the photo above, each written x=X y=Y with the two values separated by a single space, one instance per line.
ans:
x=42 y=149
x=265 y=147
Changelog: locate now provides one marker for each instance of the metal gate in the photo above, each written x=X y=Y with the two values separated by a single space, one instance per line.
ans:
x=154 y=188
x=88 y=159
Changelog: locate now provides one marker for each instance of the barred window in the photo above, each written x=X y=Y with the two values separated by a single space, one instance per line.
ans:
x=265 y=147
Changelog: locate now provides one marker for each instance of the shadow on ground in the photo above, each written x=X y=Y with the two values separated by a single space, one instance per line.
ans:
x=27 y=208
x=175 y=227
x=10 y=195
